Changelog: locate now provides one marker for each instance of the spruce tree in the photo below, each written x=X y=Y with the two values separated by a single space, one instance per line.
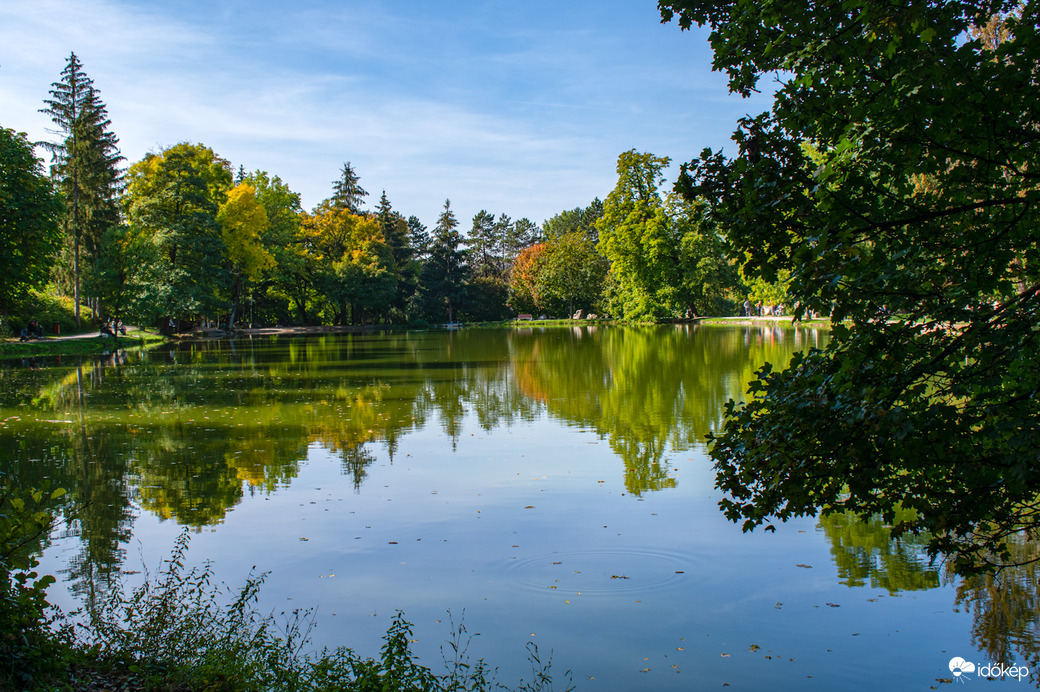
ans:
x=442 y=284
x=347 y=192
x=418 y=238
x=85 y=164
x=396 y=233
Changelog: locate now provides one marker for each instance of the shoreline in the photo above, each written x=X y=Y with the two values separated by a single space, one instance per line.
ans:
x=91 y=343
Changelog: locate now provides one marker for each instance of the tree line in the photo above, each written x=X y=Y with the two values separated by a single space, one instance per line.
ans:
x=181 y=237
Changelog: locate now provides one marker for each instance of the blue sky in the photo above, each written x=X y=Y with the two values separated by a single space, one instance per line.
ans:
x=514 y=107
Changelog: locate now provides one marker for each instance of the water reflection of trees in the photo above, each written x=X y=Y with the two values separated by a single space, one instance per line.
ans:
x=185 y=432
x=1004 y=606
x=864 y=552
x=650 y=391
x=1005 y=609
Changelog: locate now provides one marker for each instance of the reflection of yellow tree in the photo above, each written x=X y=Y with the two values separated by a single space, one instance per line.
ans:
x=215 y=418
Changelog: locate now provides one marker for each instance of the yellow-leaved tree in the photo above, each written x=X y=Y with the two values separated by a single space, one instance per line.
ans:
x=351 y=262
x=242 y=220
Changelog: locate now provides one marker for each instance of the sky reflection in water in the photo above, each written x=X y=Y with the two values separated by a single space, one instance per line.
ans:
x=547 y=485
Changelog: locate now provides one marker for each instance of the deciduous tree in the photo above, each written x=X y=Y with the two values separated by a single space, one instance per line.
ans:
x=30 y=220
x=173 y=199
x=915 y=228
x=243 y=220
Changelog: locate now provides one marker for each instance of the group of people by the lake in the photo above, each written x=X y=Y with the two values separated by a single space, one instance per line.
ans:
x=33 y=330
x=112 y=326
x=749 y=309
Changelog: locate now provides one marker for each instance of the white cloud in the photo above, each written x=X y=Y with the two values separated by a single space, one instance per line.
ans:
x=521 y=114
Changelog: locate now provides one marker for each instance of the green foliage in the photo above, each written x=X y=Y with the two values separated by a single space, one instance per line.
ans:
x=486 y=301
x=579 y=220
x=86 y=168
x=442 y=283
x=48 y=308
x=636 y=237
x=895 y=178
x=571 y=274
x=29 y=648
x=666 y=261
x=30 y=213
x=348 y=195
x=287 y=283
x=124 y=273
x=172 y=200
x=181 y=629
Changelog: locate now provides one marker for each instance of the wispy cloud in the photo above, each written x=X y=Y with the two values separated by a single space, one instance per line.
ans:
x=519 y=110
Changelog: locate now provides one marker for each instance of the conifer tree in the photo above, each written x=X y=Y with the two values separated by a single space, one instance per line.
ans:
x=347 y=192
x=418 y=237
x=442 y=284
x=85 y=164
x=396 y=233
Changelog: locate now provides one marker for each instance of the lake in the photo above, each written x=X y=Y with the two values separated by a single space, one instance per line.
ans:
x=545 y=485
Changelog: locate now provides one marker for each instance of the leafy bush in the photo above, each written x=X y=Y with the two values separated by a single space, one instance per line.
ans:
x=180 y=631
x=48 y=308
x=30 y=647
x=185 y=631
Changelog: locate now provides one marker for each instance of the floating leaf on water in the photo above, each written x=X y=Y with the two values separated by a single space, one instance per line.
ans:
x=754 y=647
x=724 y=655
x=618 y=576
x=805 y=566
x=834 y=605
x=529 y=507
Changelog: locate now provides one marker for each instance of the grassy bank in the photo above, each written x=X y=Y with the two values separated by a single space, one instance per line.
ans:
x=77 y=345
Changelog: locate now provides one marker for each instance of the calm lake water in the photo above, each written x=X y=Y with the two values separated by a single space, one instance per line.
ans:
x=545 y=485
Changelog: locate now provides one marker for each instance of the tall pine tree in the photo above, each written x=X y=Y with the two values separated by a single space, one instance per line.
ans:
x=85 y=164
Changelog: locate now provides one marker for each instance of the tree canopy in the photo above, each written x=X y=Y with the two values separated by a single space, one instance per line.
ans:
x=896 y=178
x=30 y=210
x=86 y=167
